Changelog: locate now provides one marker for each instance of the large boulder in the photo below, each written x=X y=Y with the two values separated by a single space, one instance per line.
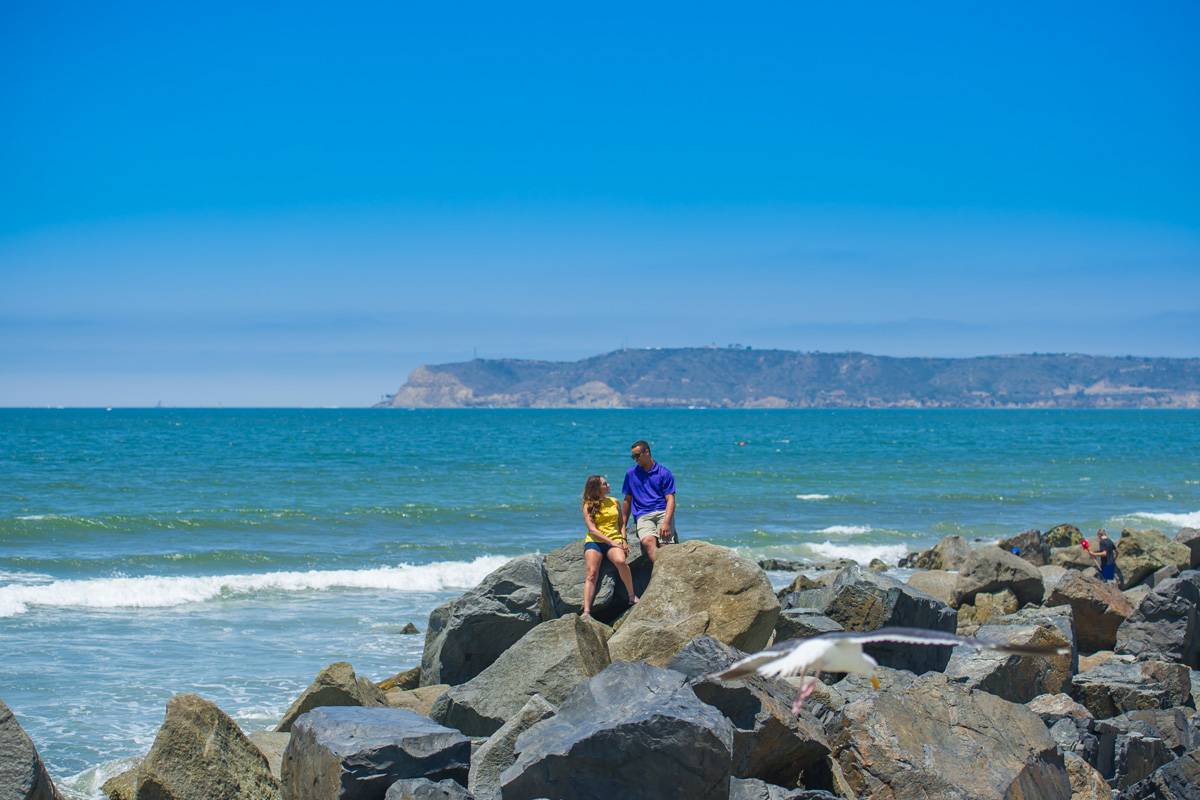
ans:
x=1013 y=677
x=1029 y=545
x=1190 y=538
x=698 y=588
x=1117 y=686
x=1142 y=553
x=1060 y=618
x=1052 y=575
x=948 y=554
x=1073 y=557
x=990 y=570
x=937 y=583
x=425 y=789
x=353 y=753
x=549 y=660
x=201 y=754
x=1176 y=780
x=500 y=750
x=803 y=623
x=564 y=572
x=861 y=600
x=336 y=685
x=467 y=635
x=938 y=739
x=1121 y=751
x=22 y=774
x=1098 y=607
x=1166 y=624
x=769 y=741
x=754 y=789
x=1063 y=535
x=634 y=730
x=1175 y=726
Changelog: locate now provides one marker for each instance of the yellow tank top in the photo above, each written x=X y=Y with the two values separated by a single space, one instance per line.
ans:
x=606 y=520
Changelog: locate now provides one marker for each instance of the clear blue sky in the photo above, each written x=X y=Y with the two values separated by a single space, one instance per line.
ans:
x=297 y=203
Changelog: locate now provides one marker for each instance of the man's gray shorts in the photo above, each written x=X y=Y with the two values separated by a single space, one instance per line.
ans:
x=648 y=525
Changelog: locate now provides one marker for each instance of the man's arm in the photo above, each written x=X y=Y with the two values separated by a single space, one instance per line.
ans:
x=665 y=528
x=626 y=505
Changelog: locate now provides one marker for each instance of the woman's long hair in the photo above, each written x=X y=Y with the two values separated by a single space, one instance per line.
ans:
x=591 y=494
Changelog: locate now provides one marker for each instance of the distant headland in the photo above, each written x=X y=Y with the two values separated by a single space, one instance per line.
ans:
x=739 y=377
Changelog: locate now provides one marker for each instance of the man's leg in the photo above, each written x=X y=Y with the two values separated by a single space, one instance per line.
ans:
x=647 y=531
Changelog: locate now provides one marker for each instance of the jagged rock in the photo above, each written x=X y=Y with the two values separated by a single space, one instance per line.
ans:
x=499 y=753
x=803 y=623
x=937 y=583
x=948 y=554
x=425 y=789
x=123 y=786
x=1122 y=751
x=1054 y=707
x=1190 y=538
x=1141 y=553
x=1032 y=546
x=1063 y=536
x=769 y=741
x=1166 y=624
x=549 y=660
x=861 y=600
x=1160 y=575
x=1136 y=594
x=1099 y=657
x=336 y=685
x=201 y=754
x=1098 y=607
x=1061 y=618
x=811 y=599
x=1074 y=557
x=272 y=745
x=782 y=565
x=1173 y=725
x=800 y=583
x=354 y=753
x=1175 y=781
x=1116 y=687
x=564 y=572
x=753 y=789
x=1086 y=782
x=937 y=739
x=1051 y=575
x=698 y=588
x=407 y=680
x=990 y=570
x=467 y=635
x=584 y=752
x=1015 y=678
x=985 y=608
x=420 y=700
x=409 y=630
x=22 y=774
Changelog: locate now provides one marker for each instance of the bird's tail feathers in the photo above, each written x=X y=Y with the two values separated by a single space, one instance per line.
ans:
x=746 y=667
x=1033 y=649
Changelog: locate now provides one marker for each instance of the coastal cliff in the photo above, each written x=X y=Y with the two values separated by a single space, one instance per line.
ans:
x=745 y=378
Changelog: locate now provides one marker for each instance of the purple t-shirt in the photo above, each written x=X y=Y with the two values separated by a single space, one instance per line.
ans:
x=648 y=489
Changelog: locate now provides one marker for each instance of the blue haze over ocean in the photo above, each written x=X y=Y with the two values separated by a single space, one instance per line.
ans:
x=234 y=553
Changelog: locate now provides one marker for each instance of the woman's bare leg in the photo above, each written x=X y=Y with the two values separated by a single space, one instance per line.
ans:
x=592 y=558
x=617 y=557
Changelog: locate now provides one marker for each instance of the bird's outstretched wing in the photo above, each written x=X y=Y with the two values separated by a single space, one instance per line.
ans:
x=928 y=637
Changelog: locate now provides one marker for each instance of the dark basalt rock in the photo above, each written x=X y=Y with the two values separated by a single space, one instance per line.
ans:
x=753 y=789
x=1116 y=687
x=1175 y=726
x=1166 y=624
x=22 y=774
x=1015 y=678
x=425 y=789
x=1031 y=546
x=1122 y=751
x=803 y=623
x=1175 y=781
x=564 y=572
x=1190 y=538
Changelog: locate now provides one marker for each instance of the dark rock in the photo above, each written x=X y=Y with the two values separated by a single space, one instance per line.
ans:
x=990 y=570
x=753 y=789
x=800 y=583
x=352 y=753
x=549 y=660
x=336 y=685
x=409 y=630
x=1166 y=624
x=1098 y=607
x=22 y=774
x=409 y=679
x=936 y=739
x=1175 y=726
x=948 y=554
x=1061 y=618
x=466 y=635
x=564 y=572
x=782 y=564
x=1122 y=751
x=1116 y=687
x=878 y=565
x=1190 y=538
x=201 y=754
x=425 y=789
x=1013 y=677
x=1141 y=553
x=499 y=752
x=1033 y=548
x=861 y=600
x=1164 y=574
x=613 y=731
x=1063 y=536
x=1177 y=780
x=812 y=599
x=803 y=623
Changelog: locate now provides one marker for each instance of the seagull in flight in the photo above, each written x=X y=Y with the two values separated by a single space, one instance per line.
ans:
x=843 y=652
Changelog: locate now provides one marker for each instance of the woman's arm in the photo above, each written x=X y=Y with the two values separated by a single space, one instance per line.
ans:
x=593 y=530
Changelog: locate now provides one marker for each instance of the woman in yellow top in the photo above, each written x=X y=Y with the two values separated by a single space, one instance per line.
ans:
x=605 y=522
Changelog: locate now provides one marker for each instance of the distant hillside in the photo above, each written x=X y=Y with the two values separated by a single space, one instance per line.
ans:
x=744 y=378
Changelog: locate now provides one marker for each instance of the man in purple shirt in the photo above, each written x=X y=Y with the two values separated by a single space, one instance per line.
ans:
x=649 y=491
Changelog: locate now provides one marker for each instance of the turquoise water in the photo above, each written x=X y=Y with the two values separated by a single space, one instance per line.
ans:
x=234 y=553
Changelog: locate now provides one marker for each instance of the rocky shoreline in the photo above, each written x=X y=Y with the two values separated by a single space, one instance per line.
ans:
x=518 y=697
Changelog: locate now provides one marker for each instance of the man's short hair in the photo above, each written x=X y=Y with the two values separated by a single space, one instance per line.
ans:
x=641 y=444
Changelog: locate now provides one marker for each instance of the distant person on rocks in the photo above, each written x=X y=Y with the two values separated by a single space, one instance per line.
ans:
x=649 y=491
x=605 y=521
x=1105 y=553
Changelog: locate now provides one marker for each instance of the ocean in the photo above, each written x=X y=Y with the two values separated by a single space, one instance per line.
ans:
x=234 y=553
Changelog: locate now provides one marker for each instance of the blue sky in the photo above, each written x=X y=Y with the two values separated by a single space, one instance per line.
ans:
x=296 y=204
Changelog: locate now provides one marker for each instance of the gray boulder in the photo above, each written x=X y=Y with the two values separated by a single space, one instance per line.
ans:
x=1190 y=538
x=354 y=753
x=1174 y=726
x=22 y=774
x=937 y=739
x=1123 y=752
x=861 y=600
x=1098 y=607
x=1031 y=546
x=1166 y=624
x=1073 y=557
x=336 y=685
x=563 y=575
x=948 y=554
x=201 y=754
x=1015 y=678
x=1060 y=618
x=613 y=731
x=1116 y=687
x=467 y=635
x=549 y=660
x=425 y=789
x=803 y=623
x=500 y=750
x=1174 y=781
x=990 y=570
x=936 y=583
x=806 y=599
x=1142 y=553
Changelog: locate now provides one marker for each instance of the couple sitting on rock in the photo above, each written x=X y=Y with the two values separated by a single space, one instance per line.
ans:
x=649 y=491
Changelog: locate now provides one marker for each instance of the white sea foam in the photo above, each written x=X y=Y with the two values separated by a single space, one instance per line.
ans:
x=862 y=553
x=813 y=496
x=161 y=592
x=1191 y=520
x=847 y=529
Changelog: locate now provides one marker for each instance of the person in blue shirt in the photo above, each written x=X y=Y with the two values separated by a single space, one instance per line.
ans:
x=649 y=491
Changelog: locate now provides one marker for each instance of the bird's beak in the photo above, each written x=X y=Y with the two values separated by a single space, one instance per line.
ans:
x=875 y=682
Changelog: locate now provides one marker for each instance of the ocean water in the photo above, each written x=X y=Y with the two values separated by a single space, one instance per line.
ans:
x=234 y=553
